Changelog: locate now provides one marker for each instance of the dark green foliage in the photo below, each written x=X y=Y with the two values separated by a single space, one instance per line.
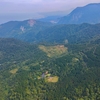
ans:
x=72 y=33
x=46 y=32
x=22 y=66
x=23 y=30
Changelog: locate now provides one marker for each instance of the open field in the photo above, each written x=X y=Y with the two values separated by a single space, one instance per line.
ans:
x=13 y=71
x=54 y=51
x=52 y=79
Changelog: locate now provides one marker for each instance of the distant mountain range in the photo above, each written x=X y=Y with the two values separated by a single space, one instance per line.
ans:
x=51 y=19
x=23 y=30
x=36 y=31
x=57 y=30
x=71 y=33
x=86 y=14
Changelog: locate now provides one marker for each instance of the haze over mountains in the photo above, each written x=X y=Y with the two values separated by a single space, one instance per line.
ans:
x=86 y=14
x=24 y=30
x=36 y=32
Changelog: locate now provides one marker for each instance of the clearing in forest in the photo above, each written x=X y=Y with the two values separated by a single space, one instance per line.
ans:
x=13 y=71
x=52 y=79
x=54 y=51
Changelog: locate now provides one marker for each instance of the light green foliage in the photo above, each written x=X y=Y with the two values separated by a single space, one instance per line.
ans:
x=70 y=73
x=54 y=51
x=13 y=71
x=53 y=79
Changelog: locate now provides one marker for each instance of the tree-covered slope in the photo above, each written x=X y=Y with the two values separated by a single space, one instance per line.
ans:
x=23 y=30
x=71 y=33
x=15 y=56
x=16 y=51
x=71 y=72
x=35 y=31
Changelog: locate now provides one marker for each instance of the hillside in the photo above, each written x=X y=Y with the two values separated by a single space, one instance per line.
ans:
x=86 y=14
x=70 y=72
x=48 y=59
x=37 y=32
x=23 y=30
x=71 y=33
x=12 y=50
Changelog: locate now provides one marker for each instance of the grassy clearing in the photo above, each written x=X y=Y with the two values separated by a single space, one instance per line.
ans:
x=54 y=51
x=26 y=68
x=13 y=71
x=52 y=79
x=75 y=60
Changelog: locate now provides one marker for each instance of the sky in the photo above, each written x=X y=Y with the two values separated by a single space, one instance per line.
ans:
x=11 y=10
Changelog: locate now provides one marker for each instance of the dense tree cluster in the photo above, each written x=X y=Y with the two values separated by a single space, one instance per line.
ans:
x=22 y=66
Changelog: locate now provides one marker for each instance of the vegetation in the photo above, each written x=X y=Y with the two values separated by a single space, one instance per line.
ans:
x=41 y=32
x=52 y=79
x=52 y=71
x=54 y=51
x=23 y=30
x=13 y=71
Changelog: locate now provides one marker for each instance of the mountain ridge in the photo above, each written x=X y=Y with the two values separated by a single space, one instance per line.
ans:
x=36 y=32
x=23 y=30
x=86 y=14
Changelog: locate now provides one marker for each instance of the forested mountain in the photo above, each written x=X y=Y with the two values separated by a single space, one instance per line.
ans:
x=44 y=61
x=87 y=14
x=71 y=33
x=34 y=31
x=23 y=30
x=49 y=71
